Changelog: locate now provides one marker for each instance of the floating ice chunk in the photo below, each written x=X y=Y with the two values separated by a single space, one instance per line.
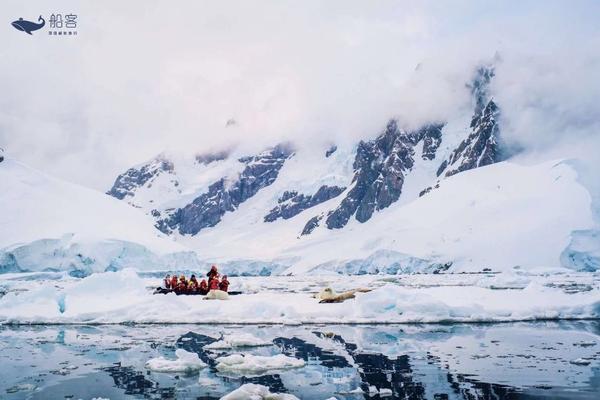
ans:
x=185 y=362
x=251 y=391
x=238 y=340
x=25 y=387
x=256 y=365
x=385 y=392
x=585 y=343
x=581 y=361
x=353 y=391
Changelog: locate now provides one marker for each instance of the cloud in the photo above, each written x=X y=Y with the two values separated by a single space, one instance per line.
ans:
x=145 y=76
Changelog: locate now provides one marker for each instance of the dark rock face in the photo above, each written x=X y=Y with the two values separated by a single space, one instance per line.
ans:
x=312 y=224
x=133 y=178
x=432 y=138
x=380 y=167
x=330 y=151
x=292 y=203
x=208 y=209
x=480 y=88
x=428 y=189
x=482 y=146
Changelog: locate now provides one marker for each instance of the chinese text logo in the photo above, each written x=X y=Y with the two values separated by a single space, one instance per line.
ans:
x=59 y=24
x=63 y=24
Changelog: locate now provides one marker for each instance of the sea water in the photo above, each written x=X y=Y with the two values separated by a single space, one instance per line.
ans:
x=459 y=361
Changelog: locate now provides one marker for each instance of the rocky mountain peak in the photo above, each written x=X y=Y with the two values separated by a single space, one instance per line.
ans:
x=479 y=87
x=224 y=196
x=380 y=167
x=482 y=146
x=126 y=183
x=292 y=203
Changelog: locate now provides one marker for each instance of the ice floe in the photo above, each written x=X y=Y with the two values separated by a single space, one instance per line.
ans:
x=185 y=362
x=251 y=391
x=249 y=364
x=125 y=297
x=238 y=340
x=581 y=361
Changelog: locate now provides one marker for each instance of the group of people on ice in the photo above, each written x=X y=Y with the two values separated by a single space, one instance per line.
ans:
x=182 y=285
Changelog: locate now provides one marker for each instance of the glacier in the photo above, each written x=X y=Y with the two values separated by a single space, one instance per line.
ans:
x=52 y=225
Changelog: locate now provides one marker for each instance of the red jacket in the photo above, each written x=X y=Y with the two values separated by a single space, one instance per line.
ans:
x=203 y=285
x=213 y=273
x=174 y=282
x=224 y=286
x=214 y=284
x=182 y=286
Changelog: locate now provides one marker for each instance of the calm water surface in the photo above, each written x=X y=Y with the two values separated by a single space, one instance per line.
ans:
x=550 y=360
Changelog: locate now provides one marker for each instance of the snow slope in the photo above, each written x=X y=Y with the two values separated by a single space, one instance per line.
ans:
x=305 y=172
x=185 y=180
x=49 y=224
x=500 y=216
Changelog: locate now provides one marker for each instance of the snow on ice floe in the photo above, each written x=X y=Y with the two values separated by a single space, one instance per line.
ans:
x=124 y=297
x=238 y=340
x=251 y=391
x=248 y=364
x=373 y=390
x=185 y=362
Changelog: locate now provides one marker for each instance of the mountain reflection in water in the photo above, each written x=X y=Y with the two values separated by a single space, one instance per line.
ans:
x=490 y=361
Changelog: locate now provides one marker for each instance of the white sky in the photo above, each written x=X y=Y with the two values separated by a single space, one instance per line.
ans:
x=146 y=76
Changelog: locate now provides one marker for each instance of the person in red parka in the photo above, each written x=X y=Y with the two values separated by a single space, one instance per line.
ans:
x=213 y=273
x=193 y=284
x=203 y=286
x=174 y=282
x=182 y=286
x=224 y=285
x=214 y=284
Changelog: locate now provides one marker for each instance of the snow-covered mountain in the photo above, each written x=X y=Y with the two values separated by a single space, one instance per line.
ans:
x=51 y=225
x=445 y=195
x=190 y=195
x=431 y=198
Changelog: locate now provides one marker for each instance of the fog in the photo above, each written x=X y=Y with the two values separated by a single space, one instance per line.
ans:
x=142 y=77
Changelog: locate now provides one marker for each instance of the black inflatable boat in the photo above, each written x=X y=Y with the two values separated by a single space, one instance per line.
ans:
x=161 y=290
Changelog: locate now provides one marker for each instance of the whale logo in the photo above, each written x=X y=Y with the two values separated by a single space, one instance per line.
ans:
x=28 y=26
